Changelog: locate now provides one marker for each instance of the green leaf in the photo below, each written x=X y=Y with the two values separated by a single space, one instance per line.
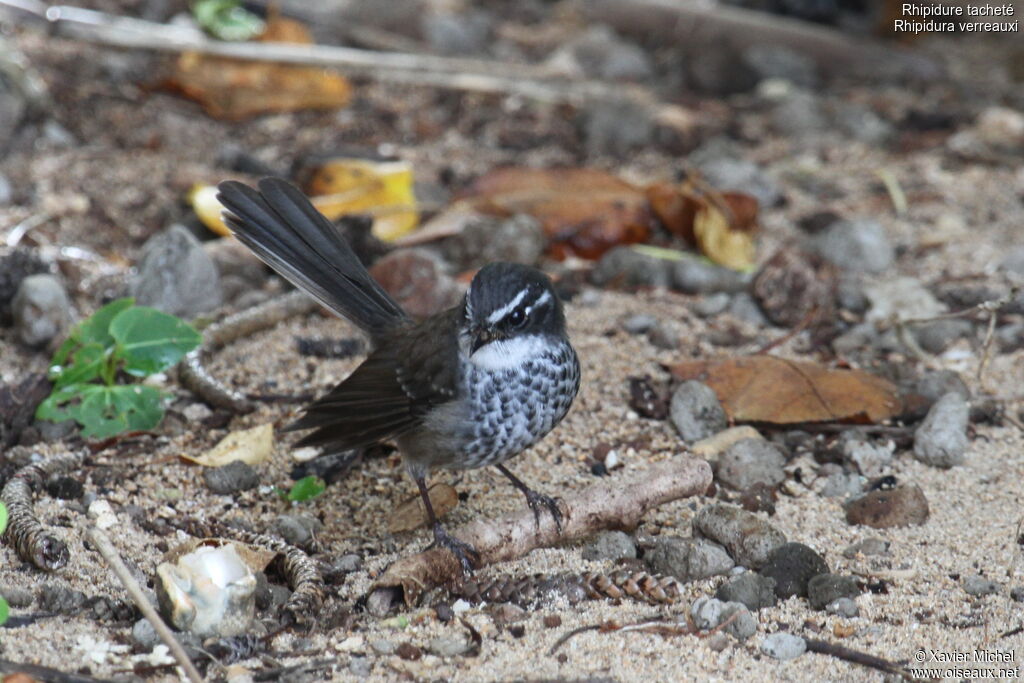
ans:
x=150 y=341
x=306 y=488
x=86 y=364
x=93 y=330
x=3 y=517
x=104 y=411
x=4 y=611
x=227 y=19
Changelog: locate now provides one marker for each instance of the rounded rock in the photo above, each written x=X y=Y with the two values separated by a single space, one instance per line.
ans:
x=783 y=646
x=144 y=635
x=610 y=545
x=696 y=412
x=749 y=462
x=901 y=506
x=941 y=440
x=231 y=478
x=626 y=267
x=694 y=276
x=843 y=607
x=856 y=245
x=176 y=275
x=792 y=566
x=749 y=588
x=688 y=559
x=827 y=588
x=41 y=310
x=979 y=586
x=748 y=538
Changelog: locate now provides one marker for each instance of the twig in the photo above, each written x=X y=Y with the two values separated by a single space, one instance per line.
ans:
x=44 y=673
x=805 y=322
x=618 y=504
x=24 y=531
x=856 y=657
x=533 y=81
x=193 y=374
x=892 y=186
x=572 y=634
x=986 y=347
x=110 y=554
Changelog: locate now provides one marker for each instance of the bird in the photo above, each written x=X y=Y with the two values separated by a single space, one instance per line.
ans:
x=469 y=387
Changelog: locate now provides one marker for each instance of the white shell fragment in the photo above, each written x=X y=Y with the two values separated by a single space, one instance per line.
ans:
x=209 y=592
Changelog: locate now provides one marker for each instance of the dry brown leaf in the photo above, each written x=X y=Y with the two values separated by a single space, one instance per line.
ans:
x=383 y=189
x=781 y=391
x=235 y=89
x=584 y=212
x=411 y=514
x=251 y=446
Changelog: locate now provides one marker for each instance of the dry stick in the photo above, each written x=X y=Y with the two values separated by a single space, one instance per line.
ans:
x=528 y=80
x=615 y=504
x=25 y=533
x=110 y=554
x=856 y=657
x=43 y=673
x=193 y=374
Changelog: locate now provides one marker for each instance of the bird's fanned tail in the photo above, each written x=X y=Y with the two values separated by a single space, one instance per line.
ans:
x=286 y=231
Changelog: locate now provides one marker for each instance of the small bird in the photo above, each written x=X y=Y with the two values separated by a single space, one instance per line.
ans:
x=468 y=387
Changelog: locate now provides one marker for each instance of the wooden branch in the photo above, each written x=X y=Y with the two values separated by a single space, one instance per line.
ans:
x=694 y=25
x=612 y=503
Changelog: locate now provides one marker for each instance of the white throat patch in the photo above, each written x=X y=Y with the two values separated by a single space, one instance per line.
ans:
x=508 y=354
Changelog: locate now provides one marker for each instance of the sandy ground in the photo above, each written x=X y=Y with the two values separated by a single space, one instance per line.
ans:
x=975 y=508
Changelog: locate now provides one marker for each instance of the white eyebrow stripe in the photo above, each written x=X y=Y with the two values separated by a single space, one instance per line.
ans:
x=493 y=318
x=544 y=298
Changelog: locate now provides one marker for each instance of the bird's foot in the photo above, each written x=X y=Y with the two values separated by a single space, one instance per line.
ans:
x=466 y=554
x=536 y=500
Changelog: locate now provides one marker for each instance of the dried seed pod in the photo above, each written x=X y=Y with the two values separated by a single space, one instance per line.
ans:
x=24 y=531
x=525 y=591
x=192 y=372
x=793 y=286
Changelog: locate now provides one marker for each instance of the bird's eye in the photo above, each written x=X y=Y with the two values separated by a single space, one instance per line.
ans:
x=517 y=317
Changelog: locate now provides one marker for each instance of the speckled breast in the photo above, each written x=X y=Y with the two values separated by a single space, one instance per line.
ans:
x=513 y=408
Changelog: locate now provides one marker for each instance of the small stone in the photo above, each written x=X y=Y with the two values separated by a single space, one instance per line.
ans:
x=231 y=478
x=484 y=239
x=706 y=613
x=688 y=559
x=360 y=666
x=748 y=538
x=779 y=62
x=827 y=588
x=665 y=335
x=850 y=295
x=41 y=310
x=101 y=511
x=843 y=607
x=639 y=323
x=979 y=586
x=16 y=597
x=626 y=267
x=506 y=613
x=601 y=53
x=383 y=647
x=1017 y=593
x=176 y=276
x=444 y=646
x=793 y=565
x=901 y=298
x=941 y=440
x=694 y=276
x=857 y=338
x=297 y=529
x=717 y=642
x=610 y=545
x=552 y=621
x=936 y=336
x=799 y=116
x=1010 y=338
x=457 y=33
x=709 y=613
x=861 y=123
x=616 y=126
x=696 y=412
x=144 y=635
x=867 y=547
x=417 y=280
x=749 y=462
x=727 y=174
x=783 y=646
x=444 y=612
x=1001 y=127
x=712 y=304
x=60 y=600
x=754 y=590
x=408 y=651
x=744 y=307
x=935 y=384
x=64 y=487
x=1013 y=262
x=870 y=460
x=901 y=506
x=856 y=245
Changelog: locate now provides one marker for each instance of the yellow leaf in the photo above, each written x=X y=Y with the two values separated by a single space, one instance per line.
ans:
x=721 y=244
x=251 y=446
x=383 y=189
x=203 y=199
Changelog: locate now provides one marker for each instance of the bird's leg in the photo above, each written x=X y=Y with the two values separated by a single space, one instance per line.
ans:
x=463 y=552
x=534 y=499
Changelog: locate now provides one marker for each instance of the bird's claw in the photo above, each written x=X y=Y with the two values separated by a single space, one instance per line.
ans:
x=466 y=554
x=536 y=500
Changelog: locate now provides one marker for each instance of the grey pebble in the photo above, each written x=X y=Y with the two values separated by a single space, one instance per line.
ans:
x=843 y=607
x=709 y=613
x=850 y=295
x=517 y=239
x=41 y=310
x=231 y=478
x=979 y=586
x=16 y=597
x=861 y=123
x=600 y=52
x=360 y=666
x=792 y=566
x=869 y=459
x=868 y=546
x=144 y=635
x=744 y=307
x=383 y=647
x=616 y=126
x=695 y=276
x=665 y=335
x=842 y=485
x=1010 y=337
x=751 y=461
x=827 y=588
x=777 y=61
x=712 y=304
x=1017 y=593
x=748 y=538
x=856 y=245
x=626 y=267
x=936 y=336
x=176 y=275
x=799 y=115
x=688 y=559
x=609 y=545
x=941 y=439
x=696 y=412
x=783 y=646
x=1013 y=262
x=296 y=529
x=445 y=646
x=749 y=588
x=457 y=33
x=639 y=323
x=858 y=338
x=59 y=599
x=935 y=384
x=728 y=174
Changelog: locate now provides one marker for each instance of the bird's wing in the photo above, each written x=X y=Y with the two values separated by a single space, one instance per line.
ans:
x=410 y=373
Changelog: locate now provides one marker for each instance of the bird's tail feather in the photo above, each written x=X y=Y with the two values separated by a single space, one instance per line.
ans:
x=286 y=231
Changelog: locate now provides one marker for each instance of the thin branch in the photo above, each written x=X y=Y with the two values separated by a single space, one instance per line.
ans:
x=856 y=657
x=43 y=673
x=618 y=504
x=110 y=554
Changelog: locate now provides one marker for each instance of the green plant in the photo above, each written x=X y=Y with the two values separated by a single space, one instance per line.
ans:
x=118 y=339
x=227 y=19
x=304 y=489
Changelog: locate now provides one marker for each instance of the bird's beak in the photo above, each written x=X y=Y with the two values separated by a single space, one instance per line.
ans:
x=482 y=336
